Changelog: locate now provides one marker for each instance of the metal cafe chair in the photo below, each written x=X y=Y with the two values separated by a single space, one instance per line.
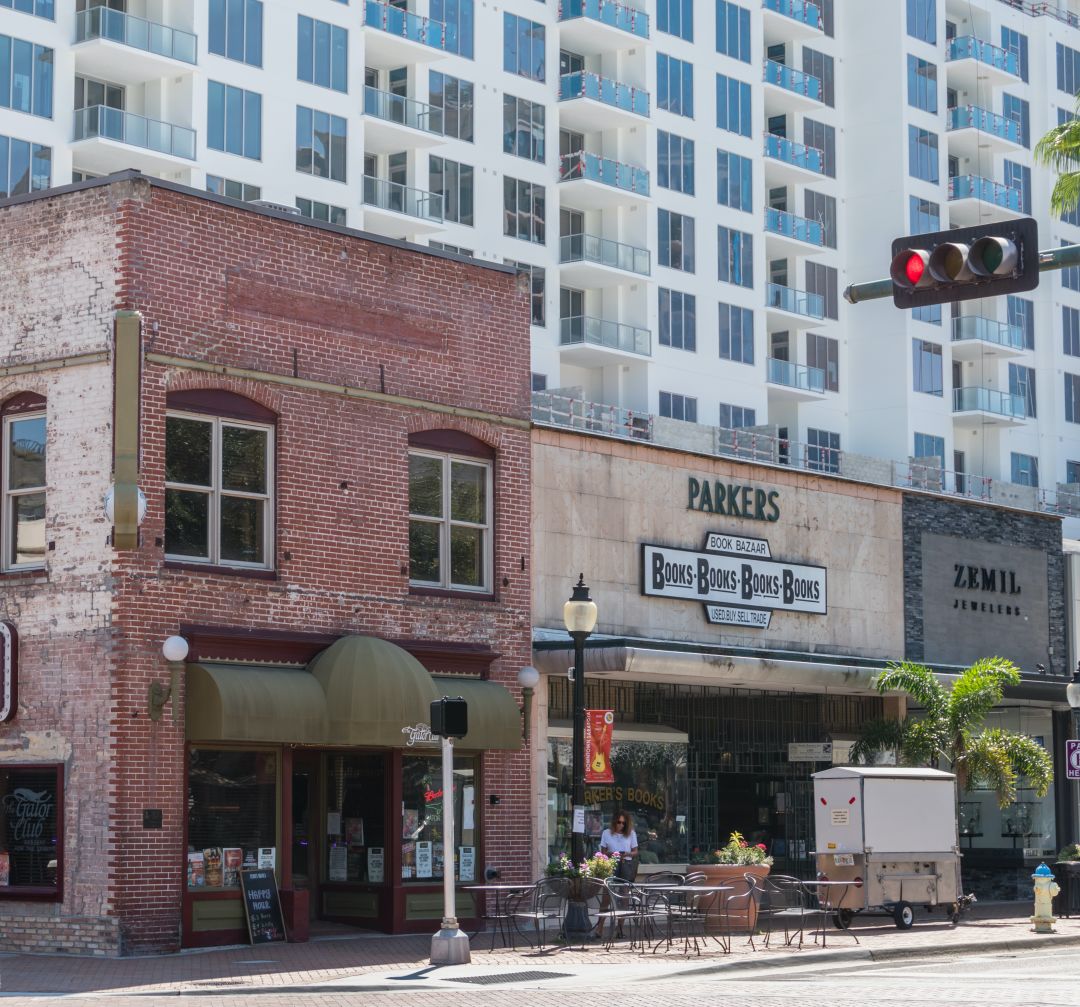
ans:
x=542 y=904
x=740 y=904
x=784 y=902
x=621 y=906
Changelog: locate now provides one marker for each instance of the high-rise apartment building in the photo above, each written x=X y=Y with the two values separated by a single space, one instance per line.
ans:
x=690 y=185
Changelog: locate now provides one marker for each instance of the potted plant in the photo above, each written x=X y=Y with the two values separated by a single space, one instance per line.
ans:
x=1067 y=875
x=598 y=867
x=729 y=864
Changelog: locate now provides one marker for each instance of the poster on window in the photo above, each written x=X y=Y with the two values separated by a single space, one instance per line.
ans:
x=598 y=727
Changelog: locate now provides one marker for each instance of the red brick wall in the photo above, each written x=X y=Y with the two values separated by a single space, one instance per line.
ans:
x=229 y=286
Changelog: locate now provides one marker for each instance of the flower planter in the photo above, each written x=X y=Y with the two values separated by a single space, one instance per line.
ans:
x=744 y=918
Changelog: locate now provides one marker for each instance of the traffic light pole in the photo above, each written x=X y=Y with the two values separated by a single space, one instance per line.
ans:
x=1051 y=258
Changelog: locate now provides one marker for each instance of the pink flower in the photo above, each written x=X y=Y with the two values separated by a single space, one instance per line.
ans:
x=761 y=846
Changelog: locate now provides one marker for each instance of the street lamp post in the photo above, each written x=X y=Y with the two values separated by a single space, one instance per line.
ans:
x=1072 y=694
x=579 y=615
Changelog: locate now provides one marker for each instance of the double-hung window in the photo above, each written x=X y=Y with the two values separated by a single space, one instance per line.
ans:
x=219 y=486
x=450 y=519
x=22 y=466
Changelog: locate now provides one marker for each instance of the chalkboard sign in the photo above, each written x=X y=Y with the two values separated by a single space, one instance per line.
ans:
x=262 y=906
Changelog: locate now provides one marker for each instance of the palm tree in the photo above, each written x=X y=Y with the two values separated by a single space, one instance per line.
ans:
x=1059 y=149
x=949 y=732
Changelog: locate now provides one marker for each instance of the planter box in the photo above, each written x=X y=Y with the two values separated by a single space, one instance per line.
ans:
x=741 y=920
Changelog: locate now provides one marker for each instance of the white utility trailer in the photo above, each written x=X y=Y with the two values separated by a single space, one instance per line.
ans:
x=891 y=831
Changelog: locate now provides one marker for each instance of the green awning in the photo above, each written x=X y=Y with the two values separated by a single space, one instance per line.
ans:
x=494 y=717
x=374 y=691
x=252 y=703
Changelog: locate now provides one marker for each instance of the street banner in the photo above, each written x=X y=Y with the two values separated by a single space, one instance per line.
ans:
x=1072 y=760
x=598 y=727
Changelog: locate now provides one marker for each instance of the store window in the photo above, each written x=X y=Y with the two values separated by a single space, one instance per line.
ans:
x=31 y=831
x=232 y=815
x=423 y=837
x=22 y=483
x=356 y=849
x=650 y=783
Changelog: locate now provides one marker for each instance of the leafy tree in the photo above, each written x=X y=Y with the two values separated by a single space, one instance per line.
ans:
x=1059 y=150
x=949 y=732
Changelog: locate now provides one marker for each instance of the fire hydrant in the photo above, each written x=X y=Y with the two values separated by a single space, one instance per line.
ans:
x=1045 y=889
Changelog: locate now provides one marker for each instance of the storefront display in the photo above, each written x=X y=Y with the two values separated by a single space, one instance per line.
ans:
x=423 y=850
x=31 y=848
x=355 y=802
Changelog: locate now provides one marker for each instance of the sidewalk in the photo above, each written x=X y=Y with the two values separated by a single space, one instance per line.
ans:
x=370 y=962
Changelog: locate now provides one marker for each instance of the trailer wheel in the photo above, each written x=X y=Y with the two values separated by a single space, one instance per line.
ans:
x=953 y=912
x=903 y=915
x=842 y=918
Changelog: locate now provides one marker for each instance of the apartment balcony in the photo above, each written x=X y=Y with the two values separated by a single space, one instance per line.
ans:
x=784 y=232
x=790 y=21
x=589 y=103
x=976 y=407
x=789 y=90
x=394 y=37
x=791 y=308
x=594 y=27
x=788 y=161
x=590 y=262
x=973 y=199
x=110 y=139
x=973 y=131
x=398 y=211
x=130 y=50
x=393 y=122
x=793 y=382
x=599 y=342
x=975 y=337
x=971 y=63
x=592 y=182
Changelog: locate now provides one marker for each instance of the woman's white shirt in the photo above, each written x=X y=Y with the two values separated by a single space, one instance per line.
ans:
x=616 y=842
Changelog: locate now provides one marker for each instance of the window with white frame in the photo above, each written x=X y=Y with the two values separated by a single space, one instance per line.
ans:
x=450 y=512
x=219 y=485
x=23 y=518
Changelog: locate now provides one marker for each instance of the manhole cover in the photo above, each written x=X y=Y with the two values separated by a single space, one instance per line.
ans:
x=509 y=977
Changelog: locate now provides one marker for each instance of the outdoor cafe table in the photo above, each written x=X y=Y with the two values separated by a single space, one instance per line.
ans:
x=830 y=897
x=673 y=910
x=499 y=917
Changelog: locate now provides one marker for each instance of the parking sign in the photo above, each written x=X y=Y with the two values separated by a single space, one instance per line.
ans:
x=1072 y=760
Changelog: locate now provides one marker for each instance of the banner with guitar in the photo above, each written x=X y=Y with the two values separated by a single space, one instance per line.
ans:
x=598 y=727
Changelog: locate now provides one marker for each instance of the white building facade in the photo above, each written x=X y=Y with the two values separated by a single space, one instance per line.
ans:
x=691 y=186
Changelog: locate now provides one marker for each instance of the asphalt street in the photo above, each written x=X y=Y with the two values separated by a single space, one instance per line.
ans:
x=1039 y=978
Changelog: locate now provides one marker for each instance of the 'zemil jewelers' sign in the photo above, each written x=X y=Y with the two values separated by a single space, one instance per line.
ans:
x=735 y=578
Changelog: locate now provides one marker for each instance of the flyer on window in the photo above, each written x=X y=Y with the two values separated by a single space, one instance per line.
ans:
x=598 y=727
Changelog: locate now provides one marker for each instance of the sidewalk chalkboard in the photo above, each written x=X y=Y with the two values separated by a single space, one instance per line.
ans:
x=262 y=906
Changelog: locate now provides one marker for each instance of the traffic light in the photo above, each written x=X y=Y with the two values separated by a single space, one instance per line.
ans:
x=964 y=263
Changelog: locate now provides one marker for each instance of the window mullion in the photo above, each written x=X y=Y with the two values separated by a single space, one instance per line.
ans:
x=444 y=531
x=215 y=494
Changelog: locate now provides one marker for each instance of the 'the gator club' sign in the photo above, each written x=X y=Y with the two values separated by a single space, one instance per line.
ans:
x=736 y=579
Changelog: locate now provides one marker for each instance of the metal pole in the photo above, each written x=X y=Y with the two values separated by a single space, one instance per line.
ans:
x=1049 y=259
x=577 y=847
x=450 y=946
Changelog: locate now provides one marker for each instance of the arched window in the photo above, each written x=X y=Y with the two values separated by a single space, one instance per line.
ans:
x=219 y=479
x=22 y=470
x=450 y=512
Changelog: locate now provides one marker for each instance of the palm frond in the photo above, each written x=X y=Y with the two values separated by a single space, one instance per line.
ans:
x=881 y=735
x=917 y=681
x=1026 y=756
x=925 y=743
x=986 y=763
x=1059 y=148
x=976 y=692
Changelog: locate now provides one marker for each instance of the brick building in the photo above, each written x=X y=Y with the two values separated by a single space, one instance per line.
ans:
x=329 y=433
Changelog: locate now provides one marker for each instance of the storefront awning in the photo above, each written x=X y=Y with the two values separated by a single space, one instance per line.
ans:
x=374 y=690
x=494 y=717
x=251 y=703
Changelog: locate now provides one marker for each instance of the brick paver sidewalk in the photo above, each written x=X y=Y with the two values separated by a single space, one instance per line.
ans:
x=376 y=959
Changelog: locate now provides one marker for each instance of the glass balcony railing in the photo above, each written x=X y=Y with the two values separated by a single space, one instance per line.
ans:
x=988 y=400
x=792 y=80
x=116 y=26
x=603 y=169
x=989 y=191
x=783 y=372
x=610 y=92
x=578 y=329
x=987 y=330
x=782 y=149
x=404 y=111
x=136 y=130
x=403 y=23
x=616 y=15
x=798 y=302
x=394 y=196
x=797 y=10
x=787 y=224
x=985 y=121
x=604 y=252
x=970 y=47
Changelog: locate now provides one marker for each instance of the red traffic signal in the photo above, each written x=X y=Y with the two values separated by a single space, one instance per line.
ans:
x=965 y=263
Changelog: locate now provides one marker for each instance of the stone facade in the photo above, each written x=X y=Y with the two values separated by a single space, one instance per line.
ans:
x=354 y=344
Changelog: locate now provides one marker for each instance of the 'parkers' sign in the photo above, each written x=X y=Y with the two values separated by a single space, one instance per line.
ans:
x=737 y=587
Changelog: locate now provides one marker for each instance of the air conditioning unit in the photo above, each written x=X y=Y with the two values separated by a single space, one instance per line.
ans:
x=269 y=204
